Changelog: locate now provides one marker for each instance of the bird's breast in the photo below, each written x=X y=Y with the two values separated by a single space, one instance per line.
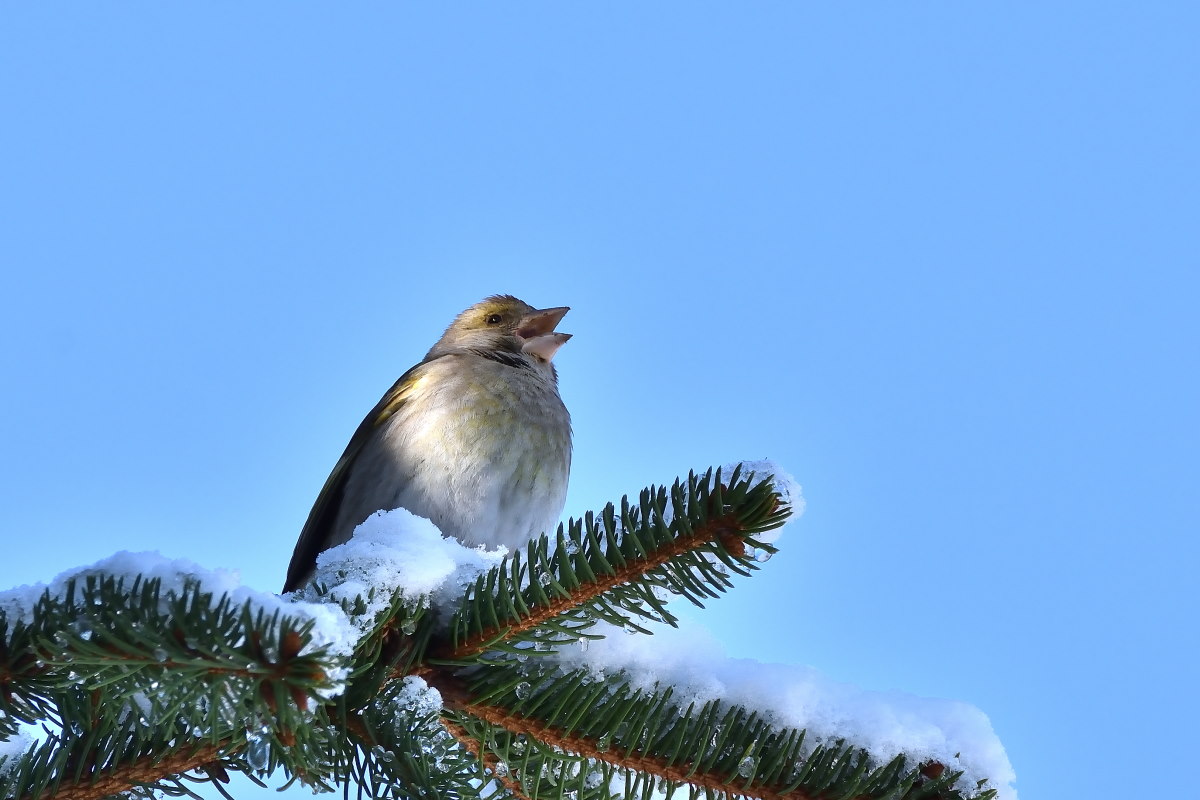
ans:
x=483 y=452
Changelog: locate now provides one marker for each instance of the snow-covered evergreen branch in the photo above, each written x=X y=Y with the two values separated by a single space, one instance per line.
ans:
x=413 y=666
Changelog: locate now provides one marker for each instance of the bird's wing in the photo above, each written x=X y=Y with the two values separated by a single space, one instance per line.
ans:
x=314 y=537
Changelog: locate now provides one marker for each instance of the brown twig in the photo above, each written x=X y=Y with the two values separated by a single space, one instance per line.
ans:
x=724 y=529
x=488 y=759
x=587 y=747
x=121 y=779
x=455 y=698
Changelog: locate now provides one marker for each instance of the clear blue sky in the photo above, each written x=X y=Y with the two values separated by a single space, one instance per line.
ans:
x=939 y=260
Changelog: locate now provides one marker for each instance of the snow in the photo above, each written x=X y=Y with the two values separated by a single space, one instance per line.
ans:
x=884 y=724
x=331 y=627
x=787 y=487
x=418 y=698
x=397 y=550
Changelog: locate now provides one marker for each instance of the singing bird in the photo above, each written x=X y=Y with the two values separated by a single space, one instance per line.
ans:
x=475 y=438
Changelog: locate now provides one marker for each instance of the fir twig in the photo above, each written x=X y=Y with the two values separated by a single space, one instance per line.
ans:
x=722 y=529
x=147 y=771
x=473 y=746
x=608 y=567
x=167 y=685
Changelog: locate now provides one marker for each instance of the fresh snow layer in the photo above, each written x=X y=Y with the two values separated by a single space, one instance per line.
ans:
x=398 y=550
x=885 y=724
x=331 y=627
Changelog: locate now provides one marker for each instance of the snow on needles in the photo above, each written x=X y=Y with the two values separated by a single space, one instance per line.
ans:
x=885 y=724
x=787 y=487
x=395 y=550
x=398 y=550
x=331 y=628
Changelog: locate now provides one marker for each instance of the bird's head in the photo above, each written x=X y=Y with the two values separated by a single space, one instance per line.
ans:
x=502 y=323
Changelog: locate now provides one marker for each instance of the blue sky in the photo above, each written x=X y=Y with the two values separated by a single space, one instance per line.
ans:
x=938 y=260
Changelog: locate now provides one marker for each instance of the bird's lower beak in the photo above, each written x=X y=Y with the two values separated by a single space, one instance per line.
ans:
x=537 y=334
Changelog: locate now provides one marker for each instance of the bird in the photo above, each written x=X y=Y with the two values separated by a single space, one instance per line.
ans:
x=475 y=437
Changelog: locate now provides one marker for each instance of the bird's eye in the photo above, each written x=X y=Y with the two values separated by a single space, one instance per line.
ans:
x=494 y=319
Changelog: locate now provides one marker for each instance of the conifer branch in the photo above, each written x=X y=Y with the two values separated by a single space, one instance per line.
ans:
x=167 y=682
x=656 y=734
x=145 y=771
x=472 y=745
x=724 y=530
x=589 y=747
x=610 y=567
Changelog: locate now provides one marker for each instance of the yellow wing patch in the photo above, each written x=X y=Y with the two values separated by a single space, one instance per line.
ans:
x=396 y=397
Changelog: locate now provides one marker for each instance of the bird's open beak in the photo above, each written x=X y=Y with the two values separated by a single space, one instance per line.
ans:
x=537 y=334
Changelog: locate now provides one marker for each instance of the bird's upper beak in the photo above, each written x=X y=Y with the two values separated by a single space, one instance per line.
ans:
x=536 y=332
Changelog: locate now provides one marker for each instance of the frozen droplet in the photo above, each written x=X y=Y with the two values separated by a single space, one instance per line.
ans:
x=747 y=766
x=523 y=690
x=161 y=655
x=630 y=628
x=762 y=556
x=544 y=579
x=584 y=642
x=258 y=750
x=522 y=658
x=84 y=628
x=572 y=546
x=604 y=743
x=408 y=627
x=500 y=770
